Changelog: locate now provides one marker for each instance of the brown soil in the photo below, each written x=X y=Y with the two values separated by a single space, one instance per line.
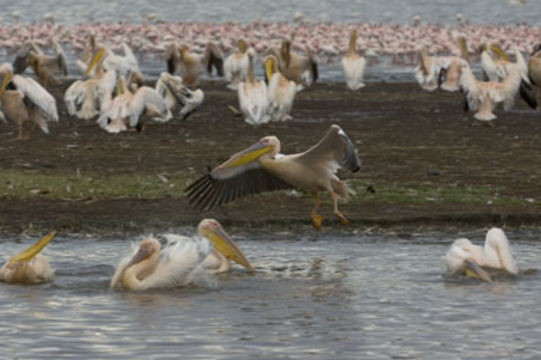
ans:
x=402 y=135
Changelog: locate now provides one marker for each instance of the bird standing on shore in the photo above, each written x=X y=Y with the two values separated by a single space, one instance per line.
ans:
x=236 y=65
x=302 y=69
x=353 y=65
x=190 y=63
x=44 y=66
x=252 y=94
x=280 y=92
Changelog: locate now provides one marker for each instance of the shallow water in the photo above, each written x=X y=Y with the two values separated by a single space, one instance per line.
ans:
x=342 y=296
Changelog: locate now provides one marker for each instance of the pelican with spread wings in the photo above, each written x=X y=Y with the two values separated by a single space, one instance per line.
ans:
x=262 y=168
x=190 y=62
x=44 y=66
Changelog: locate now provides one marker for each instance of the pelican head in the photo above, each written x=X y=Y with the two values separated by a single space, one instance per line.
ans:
x=6 y=72
x=498 y=51
x=147 y=248
x=241 y=45
x=268 y=145
x=213 y=230
x=463 y=258
x=184 y=50
x=97 y=59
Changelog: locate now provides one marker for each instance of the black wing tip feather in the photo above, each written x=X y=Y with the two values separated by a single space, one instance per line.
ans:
x=528 y=94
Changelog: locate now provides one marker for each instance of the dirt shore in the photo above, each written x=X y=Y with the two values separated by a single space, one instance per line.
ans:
x=428 y=162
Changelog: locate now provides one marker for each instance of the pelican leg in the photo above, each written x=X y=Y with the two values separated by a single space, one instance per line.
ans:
x=337 y=212
x=22 y=126
x=316 y=218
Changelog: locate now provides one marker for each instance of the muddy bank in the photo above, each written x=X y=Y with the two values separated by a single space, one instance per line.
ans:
x=428 y=162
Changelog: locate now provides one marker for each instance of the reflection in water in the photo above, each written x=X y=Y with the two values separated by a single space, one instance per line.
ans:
x=337 y=297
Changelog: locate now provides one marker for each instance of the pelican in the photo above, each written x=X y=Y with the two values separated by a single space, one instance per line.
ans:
x=44 y=66
x=252 y=95
x=29 y=267
x=236 y=65
x=175 y=93
x=190 y=62
x=494 y=69
x=281 y=91
x=353 y=65
x=179 y=261
x=261 y=168
x=127 y=108
x=24 y=100
x=301 y=69
x=463 y=257
x=124 y=65
x=534 y=66
x=441 y=71
x=483 y=97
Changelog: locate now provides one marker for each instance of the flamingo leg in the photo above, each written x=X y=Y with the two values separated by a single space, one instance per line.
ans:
x=337 y=212
x=316 y=218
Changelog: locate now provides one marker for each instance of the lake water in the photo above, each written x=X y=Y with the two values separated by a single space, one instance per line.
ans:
x=339 y=297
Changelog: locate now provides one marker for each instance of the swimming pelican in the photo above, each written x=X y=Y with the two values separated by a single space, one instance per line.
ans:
x=24 y=100
x=281 y=91
x=494 y=69
x=190 y=62
x=179 y=261
x=353 y=65
x=236 y=65
x=252 y=95
x=28 y=266
x=483 y=96
x=301 y=69
x=127 y=109
x=464 y=257
x=261 y=168
x=44 y=66
x=175 y=93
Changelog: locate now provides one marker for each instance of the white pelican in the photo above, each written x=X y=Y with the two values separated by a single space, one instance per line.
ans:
x=261 y=168
x=464 y=257
x=534 y=66
x=353 y=65
x=124 y=65
x=281 y=91
x=175 y=93
x=301 y=69
x=236 y=65
x=44 y=66
x=179 y=261
x=252 y=95
x=482 y=97
x=495 y=69
x=24 y=100
x=190 y=63
x=127 y=109
x=29 y=267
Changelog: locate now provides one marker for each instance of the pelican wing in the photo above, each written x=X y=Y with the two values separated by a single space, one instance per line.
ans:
x=334 y=151
x=146 y=99
x=213 y=58
x=468 y=84
x=37 y=95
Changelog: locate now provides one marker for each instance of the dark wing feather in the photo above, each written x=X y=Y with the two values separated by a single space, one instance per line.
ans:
x=20 y=64
x=528 y=94
x=214 y=59
x=441 y=76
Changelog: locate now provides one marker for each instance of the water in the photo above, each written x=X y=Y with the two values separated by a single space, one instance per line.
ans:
x=342 y=296
x=388 y=11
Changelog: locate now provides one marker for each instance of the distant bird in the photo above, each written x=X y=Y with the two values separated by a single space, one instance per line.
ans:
x=44 y=66
x=24 y=101
x=261 y=167
x=280 y=91
x=190 y=63
x=180 y=261
x=465 y=258
x=174 y=93
x=252 y=94
x=353 y=65
x=302 y=69
x=236 y=65
x=29 y=267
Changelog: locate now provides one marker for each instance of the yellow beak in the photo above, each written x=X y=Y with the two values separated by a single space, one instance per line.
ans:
x=269 y=65
x=5 y=82
x=475 y=271
x=33 y=250
x=227 y=247
x=247 y=155
x=120 y=86
x=95 y=60
x=496 y=49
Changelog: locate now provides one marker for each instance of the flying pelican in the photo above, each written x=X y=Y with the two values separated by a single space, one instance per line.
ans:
x=190 y=62
x=179 y=261
x=494 y=69
x=236 y=65
x=353 y=65
x=441 y=71
x=281 y=91
x=301 y=69
x=175 y=93
x=127 y=108
x=44 y=66
x=24 y=100
x=482 y=97
x=28 y=266
x=465 y=258
x=252 y=95
x=261 y=168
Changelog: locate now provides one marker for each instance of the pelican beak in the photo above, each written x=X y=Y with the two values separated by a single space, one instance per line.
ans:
x=269 y=68
x=227 y=247
x=120 y=86
x=497 y=50
x=33 y=250
x=97 y=57
x=140 y=255
x=247 y=155
x=5 y=82
x=474 y=270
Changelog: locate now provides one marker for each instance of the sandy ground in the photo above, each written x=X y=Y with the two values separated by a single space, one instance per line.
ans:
x=403 y=136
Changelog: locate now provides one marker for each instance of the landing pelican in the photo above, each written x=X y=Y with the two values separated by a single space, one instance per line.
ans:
x=24 y=100
x=180 y=261
x=190 y=62
x=174 y=93
x=353 y=65
x=281 y=91
x=464 y=257
x=261 y=168
x=252 y=94
x=236 y=65
x=301 y=69
x=29 y=267
x=44 y=66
